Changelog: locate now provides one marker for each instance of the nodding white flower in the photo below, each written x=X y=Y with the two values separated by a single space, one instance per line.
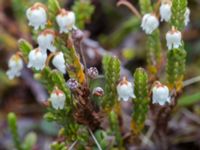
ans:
x=173 y=38
x=57 y=99
x=65 y=20
x=125 y=90
x=37 y=59
x=15 y=65
x=46 y=40
x=149 y=23
x=160 y=94
x=37 y=16
x=187 y=16
x=165 y=11
x=59 y=62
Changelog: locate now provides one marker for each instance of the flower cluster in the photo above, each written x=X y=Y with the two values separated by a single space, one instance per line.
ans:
x=37 y=17
x=37 y=57
x=150 y=23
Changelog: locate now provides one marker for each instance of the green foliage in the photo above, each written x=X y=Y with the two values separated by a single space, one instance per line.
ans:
x=145 y=6
x=189 y=100
x=101 y=138
x=115 y=128
x=83 y=10
x=58 y=146
x=25 y=47
x=154 y=51
x=12 y=122
x=75 y=69
x=72 y=130
x=111 y=67
x=19 y=8
x=53 y=8
x=153 y=41
x=175 y=67
x=52 y=78
x=114 y=39
x=178 y=11
x=141 y=101
x=29 y=141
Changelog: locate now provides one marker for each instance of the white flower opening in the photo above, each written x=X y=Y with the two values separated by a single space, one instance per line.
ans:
x=37 y=16
x=59 y=62
x=37 y=59
x=125 y=90
x=149 y=23
x=173 y=38
x=46 y=40
x=165 y=11
x=160 y=94
x=66 y=20
x=15 y=65
x=57 y=99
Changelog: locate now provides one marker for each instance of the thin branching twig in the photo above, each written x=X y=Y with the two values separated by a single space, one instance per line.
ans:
x=130 y=6
x=191 y=81
x=95 y=140
x=72 y=146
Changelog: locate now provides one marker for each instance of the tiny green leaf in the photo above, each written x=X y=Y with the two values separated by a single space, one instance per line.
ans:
x=178 y=13
x=12 y=122
x=29 y=141
x=25 y=47
x=141 y=102
x=111 y=67
x=53 y=9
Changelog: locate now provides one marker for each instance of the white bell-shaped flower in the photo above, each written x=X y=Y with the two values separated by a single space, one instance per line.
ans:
x=125 y=90
x=187 y=16
x=59 y=62
x=37 y=16
x=15 y=65
x=149 y=23
x=46 y=41
x=57 y=99
x=173 y=38
x=165 y=11
x=66 y=20
x=37 y=59
x=160 y=94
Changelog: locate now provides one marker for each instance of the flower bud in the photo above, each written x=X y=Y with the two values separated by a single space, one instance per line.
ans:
x=187 y=16
x=149 y=23
x=15 y=65
x=57 y=99
x=45 y=41
x=72 y=84
x=165 y=11
x=98 y=91
x=37 y=16
x=59 y=62
x=125 y=90
x=160 y=94
x=92 y=72
x=37 y=59
x=173 y=38
x=65 y=20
